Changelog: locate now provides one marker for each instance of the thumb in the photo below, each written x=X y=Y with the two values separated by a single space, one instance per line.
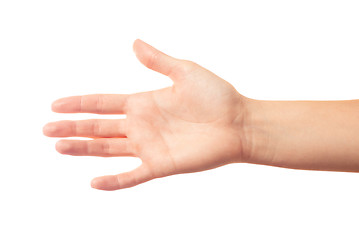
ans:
x=123 y=180
x=155 y=59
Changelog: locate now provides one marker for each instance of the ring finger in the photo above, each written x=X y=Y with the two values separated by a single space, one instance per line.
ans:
x=103 y=147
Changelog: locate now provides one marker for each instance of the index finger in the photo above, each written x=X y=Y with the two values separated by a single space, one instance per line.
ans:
x=94 y=103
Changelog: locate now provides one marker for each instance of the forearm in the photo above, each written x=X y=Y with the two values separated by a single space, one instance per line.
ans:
x=316 y=135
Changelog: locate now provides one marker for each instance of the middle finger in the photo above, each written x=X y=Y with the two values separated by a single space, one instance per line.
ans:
x=93 y=128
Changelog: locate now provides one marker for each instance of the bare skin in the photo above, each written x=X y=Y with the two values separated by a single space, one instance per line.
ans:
x=202 y=122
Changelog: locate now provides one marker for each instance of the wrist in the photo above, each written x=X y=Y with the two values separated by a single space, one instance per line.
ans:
x=257 y=132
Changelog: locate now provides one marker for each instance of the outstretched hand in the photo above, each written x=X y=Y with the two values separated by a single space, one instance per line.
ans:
x=194 y=125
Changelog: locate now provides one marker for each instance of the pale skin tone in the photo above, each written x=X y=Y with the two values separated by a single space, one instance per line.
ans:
x=201 y=122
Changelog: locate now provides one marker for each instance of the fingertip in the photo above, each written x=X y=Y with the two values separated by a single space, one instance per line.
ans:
x=95 y=183
x=154 y=59
x=56 y=105
x=49 y=129
x=106 y=183
x=140 y=48
x=136 y=46
x=136 y=42
x=62 y=146
x=67 y=105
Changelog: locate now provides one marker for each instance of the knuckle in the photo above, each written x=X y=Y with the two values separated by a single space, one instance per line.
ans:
x=132 y=148
x=74 y=128
x=96 y=128
x=185 y=67
x=88 y=148
x=126 y=179
x=99 y=104
x=126 y=147
x=152 y=60
x=106 y=148
x=122 y=127
x=82 y=100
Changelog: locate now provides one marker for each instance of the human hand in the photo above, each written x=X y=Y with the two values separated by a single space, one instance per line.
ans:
x=194 y=125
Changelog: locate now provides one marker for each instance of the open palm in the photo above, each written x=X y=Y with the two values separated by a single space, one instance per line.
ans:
x=192 y=126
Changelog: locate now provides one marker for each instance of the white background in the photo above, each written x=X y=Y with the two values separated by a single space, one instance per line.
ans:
x=285 y=50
